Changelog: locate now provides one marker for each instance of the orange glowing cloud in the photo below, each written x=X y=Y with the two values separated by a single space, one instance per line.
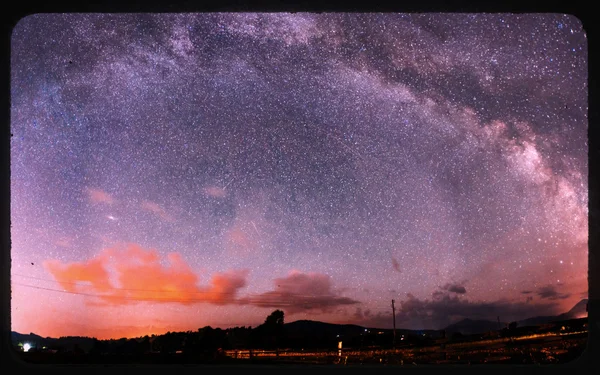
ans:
x=225 y=286
x=100 y=196
x=130 y=274
x=92 y=272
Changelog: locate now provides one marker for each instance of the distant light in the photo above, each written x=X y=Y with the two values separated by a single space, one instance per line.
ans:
x=26 y=347
x=365 y=330
x=561 y=262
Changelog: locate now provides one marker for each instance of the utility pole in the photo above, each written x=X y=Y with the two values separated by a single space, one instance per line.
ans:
x=394 y=316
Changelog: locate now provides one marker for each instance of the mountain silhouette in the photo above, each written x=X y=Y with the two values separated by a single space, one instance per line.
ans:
x=468 y=326
x=310 y=328
x=578 y=311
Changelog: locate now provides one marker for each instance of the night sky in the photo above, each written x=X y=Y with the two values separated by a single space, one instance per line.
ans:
x=173 y=171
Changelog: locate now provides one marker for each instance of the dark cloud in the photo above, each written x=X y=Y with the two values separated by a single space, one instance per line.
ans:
x=373 y=320
x=359 y=314
x=395 y=264
x=527 y=292
x=437 y=294
x=550 y=292
x=301 y=292
x=455 y=288
x=446 y=309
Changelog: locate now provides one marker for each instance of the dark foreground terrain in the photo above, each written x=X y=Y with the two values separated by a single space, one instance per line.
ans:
x=533 y=349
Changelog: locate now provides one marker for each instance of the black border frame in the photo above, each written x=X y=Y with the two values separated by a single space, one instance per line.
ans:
x=583 y=11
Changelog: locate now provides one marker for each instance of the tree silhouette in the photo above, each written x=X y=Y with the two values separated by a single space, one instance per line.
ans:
x=273 y=329
x=275 y=319
x=268 y=335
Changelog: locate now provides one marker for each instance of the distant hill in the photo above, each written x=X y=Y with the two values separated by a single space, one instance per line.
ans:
x=311 y=328
x=578 y=311
x=469 y=326
x=537 y=320
x=32 y=338
x=38 y=341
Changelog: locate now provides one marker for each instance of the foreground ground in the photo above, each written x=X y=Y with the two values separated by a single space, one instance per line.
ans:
x=535 y=349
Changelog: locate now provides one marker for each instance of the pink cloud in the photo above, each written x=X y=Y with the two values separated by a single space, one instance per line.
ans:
x=63 y=242
x=240 y=241
x=158 y=210
x=215 y=191
x=100 y=196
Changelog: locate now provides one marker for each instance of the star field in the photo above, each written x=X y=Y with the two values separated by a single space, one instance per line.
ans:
x=172 y=171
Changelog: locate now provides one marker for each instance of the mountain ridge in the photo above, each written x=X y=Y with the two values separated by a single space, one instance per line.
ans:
x=304 y=326
x=469 y=326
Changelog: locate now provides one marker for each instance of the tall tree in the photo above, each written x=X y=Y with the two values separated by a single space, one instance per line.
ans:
x=275 y=319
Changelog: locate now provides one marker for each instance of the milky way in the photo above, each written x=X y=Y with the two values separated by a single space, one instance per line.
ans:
x=173 y=171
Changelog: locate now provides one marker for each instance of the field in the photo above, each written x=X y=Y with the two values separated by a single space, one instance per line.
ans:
x=534 y=349
x=549 y=348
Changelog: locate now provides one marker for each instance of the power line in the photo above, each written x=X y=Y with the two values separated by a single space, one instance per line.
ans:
x=114 y=296
x=200 y=292
x=272 y=301
x=106 y=283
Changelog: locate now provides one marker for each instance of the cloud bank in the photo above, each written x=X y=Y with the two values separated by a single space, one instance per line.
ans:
x=301 y=292
x=130 y=274
x=447 y=307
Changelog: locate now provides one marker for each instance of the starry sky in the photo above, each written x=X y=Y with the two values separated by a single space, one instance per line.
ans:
x=173 y=171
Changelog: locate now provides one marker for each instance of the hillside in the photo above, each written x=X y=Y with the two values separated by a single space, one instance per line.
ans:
x=469 y=326
x=322 y=330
